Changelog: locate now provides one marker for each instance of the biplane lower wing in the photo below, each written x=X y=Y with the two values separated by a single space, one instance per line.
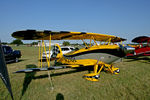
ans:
x=47 y=68
x=41 y=69
x=28 y=70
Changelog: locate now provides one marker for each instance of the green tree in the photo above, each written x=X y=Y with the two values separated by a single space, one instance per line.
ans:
x=34 y=43
x=66 y=43
x=4 y=43
x=17 y=42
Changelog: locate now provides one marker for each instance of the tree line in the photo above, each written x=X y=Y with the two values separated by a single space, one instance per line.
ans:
x=20 y=42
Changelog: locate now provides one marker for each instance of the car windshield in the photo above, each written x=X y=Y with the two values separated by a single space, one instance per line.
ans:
x=64 y=49
x=72 y=48
x=47 y=52
x=7 y=50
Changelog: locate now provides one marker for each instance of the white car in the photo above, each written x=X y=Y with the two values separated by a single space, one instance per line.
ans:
x=44 y=55
x=65 y=50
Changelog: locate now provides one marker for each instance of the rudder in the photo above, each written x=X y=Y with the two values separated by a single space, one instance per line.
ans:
x=57 y=52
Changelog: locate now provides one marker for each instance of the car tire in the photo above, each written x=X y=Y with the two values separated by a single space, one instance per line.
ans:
x=17 y=59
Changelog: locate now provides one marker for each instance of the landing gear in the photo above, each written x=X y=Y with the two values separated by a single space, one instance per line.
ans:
x=111 y=69
x=97 y=69
x=91 y=77
x=95 y=75
x=117 y=71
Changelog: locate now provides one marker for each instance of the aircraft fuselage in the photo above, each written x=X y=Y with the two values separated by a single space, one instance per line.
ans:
x=89 y=56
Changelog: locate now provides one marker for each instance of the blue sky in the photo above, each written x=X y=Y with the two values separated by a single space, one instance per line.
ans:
x=123 y=18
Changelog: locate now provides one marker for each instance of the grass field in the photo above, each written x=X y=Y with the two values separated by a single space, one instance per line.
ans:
x=133 y=82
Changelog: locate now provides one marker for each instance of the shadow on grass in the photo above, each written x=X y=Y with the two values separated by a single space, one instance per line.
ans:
x=141 y=59
x=59 y=96
x=80 y=69
x=20 y=60
x=28 y=78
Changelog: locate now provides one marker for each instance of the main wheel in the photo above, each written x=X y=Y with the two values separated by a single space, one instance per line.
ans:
x=117 y=71
x=17 y=59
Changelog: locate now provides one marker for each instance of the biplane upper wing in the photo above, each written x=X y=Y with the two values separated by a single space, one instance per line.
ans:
x=141 y=39
x=63 y=35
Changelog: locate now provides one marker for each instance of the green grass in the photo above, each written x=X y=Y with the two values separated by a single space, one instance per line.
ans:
x=132 y=83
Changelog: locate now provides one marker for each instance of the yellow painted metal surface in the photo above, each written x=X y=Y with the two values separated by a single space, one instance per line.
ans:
x=50 y=35
x=95 y=47
x=39 y=35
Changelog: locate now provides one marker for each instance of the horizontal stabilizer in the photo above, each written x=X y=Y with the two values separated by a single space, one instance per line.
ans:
x=40 y=69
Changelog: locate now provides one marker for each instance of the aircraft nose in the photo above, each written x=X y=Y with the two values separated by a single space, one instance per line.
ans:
x=128 y=49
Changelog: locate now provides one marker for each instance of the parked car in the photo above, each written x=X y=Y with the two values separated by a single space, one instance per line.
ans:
x=65 y=49
x=10 y=54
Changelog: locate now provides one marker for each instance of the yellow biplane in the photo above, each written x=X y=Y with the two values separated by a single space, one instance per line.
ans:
x=99 y=56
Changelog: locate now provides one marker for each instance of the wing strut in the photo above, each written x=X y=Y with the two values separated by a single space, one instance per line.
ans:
x=41 y=47
x=49 y=76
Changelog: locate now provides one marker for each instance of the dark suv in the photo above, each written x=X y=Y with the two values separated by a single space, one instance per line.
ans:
x=10 y=54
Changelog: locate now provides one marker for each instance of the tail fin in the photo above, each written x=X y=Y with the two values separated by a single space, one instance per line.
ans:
x=57 y=52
